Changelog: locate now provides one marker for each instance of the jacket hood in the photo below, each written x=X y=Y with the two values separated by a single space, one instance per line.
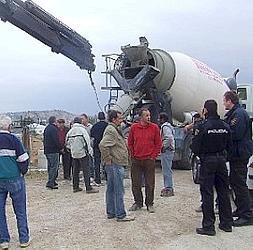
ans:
x=78 y=125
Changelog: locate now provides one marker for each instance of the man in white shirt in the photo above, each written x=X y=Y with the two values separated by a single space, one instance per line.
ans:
x=78 y=141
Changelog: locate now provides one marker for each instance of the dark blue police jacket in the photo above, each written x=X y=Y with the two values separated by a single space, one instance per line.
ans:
x=241 y=128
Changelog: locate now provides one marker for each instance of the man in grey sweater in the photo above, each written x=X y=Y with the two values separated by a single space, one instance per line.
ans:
x=167 y=154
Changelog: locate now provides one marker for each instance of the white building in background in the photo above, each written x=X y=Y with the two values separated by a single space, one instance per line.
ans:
x=36 y=128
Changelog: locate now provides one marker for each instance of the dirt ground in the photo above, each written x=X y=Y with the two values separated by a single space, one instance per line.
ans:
x=61 y=219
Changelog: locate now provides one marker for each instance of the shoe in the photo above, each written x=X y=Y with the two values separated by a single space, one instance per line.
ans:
x=110 y=216
x=77 y=190
x=150 y=209
x=199 y=209
x=4 y=245
x=95 y=184
x=236 y=214
x=135 y=207
x=92 y=191
x=52 y=187
x=240 y=222
x=203 y=231
x=167 y=193
x=126 y=218
x=227 y=229
x=99 y=184
x=26 y=244
x=55 y=184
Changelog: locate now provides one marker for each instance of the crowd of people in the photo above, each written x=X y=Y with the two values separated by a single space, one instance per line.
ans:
x=101 y=150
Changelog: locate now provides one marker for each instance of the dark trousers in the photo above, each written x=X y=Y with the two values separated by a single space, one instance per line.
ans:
x=251 y=199
x=83 y=165
x=213 y=173
x=97 y=163
x=67 y=164
x=139 y=169
x=238 y=178
x=91 y=166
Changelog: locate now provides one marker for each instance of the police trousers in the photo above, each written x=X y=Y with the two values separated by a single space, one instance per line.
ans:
x=213 y=173
x=238 y=177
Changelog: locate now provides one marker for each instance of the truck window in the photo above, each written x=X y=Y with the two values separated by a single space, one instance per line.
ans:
x=242 y=93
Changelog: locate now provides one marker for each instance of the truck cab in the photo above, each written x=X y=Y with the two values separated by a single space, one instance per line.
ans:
x=245 y=92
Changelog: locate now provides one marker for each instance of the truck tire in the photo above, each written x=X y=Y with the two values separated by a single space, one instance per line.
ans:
x=185 y=162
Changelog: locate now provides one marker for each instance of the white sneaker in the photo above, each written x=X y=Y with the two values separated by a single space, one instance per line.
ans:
x=26 y=244
x=5 y=245
x=97 y=184
x=126 y=218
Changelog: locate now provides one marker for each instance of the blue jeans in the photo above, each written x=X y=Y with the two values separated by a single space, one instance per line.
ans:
x=115 y=191
x=16 y=189
x=166 y=162
x=52 y=168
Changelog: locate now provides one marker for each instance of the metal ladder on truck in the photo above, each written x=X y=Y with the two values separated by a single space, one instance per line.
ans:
x=110 y=83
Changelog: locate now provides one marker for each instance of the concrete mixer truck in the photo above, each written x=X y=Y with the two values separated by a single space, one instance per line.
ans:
x=164 y=81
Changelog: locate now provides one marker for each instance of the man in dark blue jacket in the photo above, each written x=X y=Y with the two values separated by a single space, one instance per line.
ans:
x=13 y=165
x=51 y=150
x=242 y=149
x=97 y=132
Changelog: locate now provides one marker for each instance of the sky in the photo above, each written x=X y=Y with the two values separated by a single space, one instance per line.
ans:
x=219 y=33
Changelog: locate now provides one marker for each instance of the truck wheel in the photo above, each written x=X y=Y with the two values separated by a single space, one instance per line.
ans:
x=185 y=162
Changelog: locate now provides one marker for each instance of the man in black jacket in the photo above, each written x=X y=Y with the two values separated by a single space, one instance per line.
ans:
x=97 y=132
x=51 y=150
x=211 y=143
x=242 y=149
x=64 y=153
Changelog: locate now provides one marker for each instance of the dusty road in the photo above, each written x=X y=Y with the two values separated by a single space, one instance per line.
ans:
x=61 y=219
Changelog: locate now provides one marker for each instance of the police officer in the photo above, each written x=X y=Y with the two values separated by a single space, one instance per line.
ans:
x=211 y=142
x=242 y=149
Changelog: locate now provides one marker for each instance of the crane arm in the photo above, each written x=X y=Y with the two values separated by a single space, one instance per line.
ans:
x=38 y=23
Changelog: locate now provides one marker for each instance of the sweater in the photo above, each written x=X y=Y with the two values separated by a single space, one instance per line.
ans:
x=167 y=134
x=13 y=158
x=144 y=142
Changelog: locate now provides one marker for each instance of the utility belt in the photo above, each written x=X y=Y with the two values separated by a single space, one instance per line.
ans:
x=217 y=154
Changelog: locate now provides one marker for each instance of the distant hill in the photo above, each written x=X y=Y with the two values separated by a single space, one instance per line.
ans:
x=41 y=116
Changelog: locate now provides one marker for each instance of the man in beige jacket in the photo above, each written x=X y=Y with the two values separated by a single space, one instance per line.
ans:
x=114 y=154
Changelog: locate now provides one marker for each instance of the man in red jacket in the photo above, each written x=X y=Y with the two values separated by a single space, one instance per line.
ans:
x=144 y=142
